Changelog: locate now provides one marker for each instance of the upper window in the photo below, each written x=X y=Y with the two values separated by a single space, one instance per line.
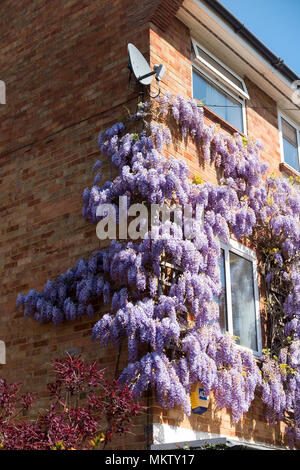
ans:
x=219 y=88
x=290 y=142
x=238 y=301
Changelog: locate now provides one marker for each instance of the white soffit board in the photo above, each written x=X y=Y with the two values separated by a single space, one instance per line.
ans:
x=219 y=38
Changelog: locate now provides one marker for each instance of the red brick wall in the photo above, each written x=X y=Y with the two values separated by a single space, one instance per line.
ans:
x=65 y=68
x=64 y=64
x=263 y=124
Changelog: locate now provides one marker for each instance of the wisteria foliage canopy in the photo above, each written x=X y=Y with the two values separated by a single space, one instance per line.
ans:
x=174 y=337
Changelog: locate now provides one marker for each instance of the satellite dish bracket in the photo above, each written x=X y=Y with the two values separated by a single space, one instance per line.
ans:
x=145 y=76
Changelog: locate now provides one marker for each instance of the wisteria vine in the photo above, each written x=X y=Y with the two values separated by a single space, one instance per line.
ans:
x=174 y=337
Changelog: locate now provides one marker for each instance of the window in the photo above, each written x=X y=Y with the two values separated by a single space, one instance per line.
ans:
x=238 y=301
x=216 y=99
x=290 y=142
x=2 y=352
x=219 y=88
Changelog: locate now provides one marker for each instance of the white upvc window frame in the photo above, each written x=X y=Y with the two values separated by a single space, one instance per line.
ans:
x=2 y=352
x=220 y=81
x=242 y=91
x=248 y=254
x=281 y=115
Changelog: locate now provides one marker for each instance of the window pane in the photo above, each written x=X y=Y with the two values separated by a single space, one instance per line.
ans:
x=219 y=67
x=290 y=145
x=289 y=132
x=290 y=154
x=218 y=101
x=222 y=297
x=243 y=301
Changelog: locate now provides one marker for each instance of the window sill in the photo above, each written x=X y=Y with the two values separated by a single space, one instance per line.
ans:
x=284 y=167
x=224 y=124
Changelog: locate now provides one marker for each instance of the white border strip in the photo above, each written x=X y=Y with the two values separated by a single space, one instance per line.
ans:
x=166 y=434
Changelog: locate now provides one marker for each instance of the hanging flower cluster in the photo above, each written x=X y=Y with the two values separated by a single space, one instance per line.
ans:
x=70 y=295
x=178 y=327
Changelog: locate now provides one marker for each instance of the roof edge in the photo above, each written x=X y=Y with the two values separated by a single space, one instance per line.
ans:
x=240 y=28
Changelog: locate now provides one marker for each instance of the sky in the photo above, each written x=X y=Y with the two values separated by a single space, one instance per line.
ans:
x=276 y=23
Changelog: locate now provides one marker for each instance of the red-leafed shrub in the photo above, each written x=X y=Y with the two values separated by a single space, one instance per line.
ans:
x=86 y=411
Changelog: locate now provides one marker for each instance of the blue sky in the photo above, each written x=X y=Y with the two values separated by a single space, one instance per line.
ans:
x=275 y=22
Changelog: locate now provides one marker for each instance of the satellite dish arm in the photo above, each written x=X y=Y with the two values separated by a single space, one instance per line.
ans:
x=158 y=71
x=146 y=75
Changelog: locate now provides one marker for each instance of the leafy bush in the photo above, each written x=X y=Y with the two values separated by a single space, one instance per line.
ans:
x=86 y=411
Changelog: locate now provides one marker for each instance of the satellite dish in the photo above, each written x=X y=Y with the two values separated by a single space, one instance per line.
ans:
x=140 y=67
